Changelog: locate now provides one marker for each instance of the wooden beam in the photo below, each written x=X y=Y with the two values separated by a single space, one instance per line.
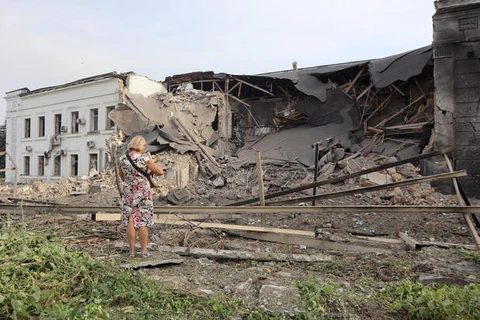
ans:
x=352 y=83
x=158 y=217
x=384 y=102
x=233 y=88
x=383 y=122
x=193 y=139
x=379 y=239
x=466 y=216
x=65 y=209
x=398 y=90
x=255 y=87
x=248 y=107
x=365 y=91
x=206 y=225
x=261 y=191
x=345 y=177
x=218 y=86
x=387 y=186
x=240 y=100
x=409 y=241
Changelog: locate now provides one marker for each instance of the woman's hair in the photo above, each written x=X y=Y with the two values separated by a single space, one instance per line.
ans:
x=137 y=143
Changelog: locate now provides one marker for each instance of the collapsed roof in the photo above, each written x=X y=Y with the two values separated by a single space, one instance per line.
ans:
x=207 y=113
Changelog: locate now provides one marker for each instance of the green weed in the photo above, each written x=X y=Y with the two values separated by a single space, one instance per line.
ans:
x=40 y=278
x=432 y=302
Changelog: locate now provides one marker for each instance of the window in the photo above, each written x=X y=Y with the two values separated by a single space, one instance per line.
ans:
x=74 y=165
x=58 y=123
x=110 y=125
x=41 y=126
x=93 y=161
x=94 y=120
x=75 y=120
x=41 y=166
x=57 y=165
x=27 y=128
x=107 y=159
x=26 y=165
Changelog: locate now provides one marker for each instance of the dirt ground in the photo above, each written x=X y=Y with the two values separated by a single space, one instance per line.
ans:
x=272 y=284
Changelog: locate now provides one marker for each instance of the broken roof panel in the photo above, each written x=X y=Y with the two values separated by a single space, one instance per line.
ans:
x=403 y=66
x=306 y=80
x=383 y=72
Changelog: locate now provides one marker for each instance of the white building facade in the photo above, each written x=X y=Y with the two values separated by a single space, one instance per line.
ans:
x=61 y=130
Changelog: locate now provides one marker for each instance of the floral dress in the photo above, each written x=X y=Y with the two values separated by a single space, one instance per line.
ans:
x=137 y=195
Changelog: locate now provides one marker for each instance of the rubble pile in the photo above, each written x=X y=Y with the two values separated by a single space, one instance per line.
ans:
x=184 y=185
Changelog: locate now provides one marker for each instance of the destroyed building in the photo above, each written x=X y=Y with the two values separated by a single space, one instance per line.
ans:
x=396 y=106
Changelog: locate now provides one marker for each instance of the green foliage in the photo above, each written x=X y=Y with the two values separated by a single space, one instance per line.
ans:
x=433 y=302
x=320 y=299
x=471 y=255
x=41 y=278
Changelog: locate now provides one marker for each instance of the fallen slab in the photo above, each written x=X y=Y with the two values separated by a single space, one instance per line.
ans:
x=152 y=261
x=244 y=255
x=311 y=242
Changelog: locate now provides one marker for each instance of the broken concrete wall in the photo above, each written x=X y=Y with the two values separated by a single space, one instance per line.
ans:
x=457 y=81
x=138 y=84
x=187 y=120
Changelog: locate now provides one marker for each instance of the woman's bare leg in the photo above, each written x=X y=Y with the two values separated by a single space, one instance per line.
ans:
x=131 y=235
x=143 y=235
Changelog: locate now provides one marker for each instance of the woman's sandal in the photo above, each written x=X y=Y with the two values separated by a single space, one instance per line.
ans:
x=146 y=254
x=132 y=255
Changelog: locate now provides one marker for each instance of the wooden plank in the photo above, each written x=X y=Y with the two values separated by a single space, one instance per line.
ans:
x=383 y=122
x=345 y=177
x=193 y=139
x=387 y=186
x=222 y=226
x=248 y=107
x=157 y=217
x=384 y=240
x=409 y=241
x=255 y=87
x=365 y=91
x=310 y=242
x=7 y=169
x=466 y=216
x=218 y=86
x=352 y=83
x=233 y=88
x=385 y=102
x=261 y=190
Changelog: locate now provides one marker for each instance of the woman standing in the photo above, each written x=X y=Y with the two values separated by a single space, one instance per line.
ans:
x=137 y=203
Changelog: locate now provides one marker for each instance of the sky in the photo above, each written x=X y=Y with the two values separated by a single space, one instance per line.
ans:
x=45 y=43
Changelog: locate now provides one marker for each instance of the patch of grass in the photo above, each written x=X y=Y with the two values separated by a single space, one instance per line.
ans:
x=470 y=255
x=41 y=278
x=336 y=268
x=322 y=300
x=432 y=302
